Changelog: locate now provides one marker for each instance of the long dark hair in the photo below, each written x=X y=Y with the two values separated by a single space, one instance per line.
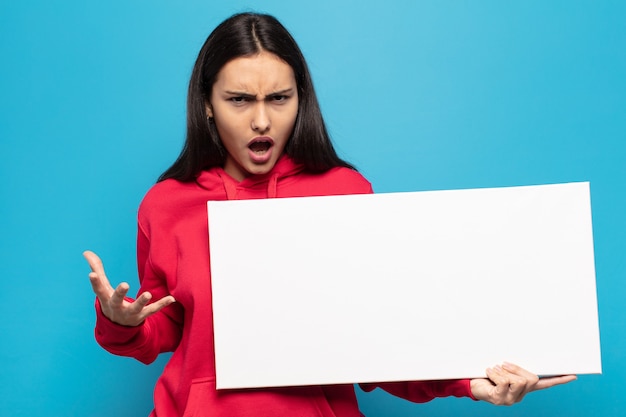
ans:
x=247 y=34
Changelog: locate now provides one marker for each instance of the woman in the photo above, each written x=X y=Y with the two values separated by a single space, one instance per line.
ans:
x=254 y=130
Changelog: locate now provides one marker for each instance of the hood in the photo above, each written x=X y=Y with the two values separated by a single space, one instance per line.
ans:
x=254 y=186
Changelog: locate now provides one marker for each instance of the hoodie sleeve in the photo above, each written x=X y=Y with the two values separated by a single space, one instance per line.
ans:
x=424 y=391
x=160 y=332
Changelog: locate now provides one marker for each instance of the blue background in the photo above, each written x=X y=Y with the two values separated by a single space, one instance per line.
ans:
x=419 y=95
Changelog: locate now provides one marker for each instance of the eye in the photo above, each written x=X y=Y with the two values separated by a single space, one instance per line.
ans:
x=238 y=99
x=278 y=98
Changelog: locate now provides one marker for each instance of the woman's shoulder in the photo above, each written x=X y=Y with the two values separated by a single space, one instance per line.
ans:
x=336 y=181
x=162 y=192
x=350 y=177
x=169 y=198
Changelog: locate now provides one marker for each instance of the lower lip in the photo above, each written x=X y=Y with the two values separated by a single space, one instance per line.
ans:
x=261 y=158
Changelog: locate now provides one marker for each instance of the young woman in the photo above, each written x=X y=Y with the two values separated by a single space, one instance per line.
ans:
x=254 y=130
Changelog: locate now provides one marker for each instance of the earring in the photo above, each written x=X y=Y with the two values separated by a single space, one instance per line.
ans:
x=209 y=120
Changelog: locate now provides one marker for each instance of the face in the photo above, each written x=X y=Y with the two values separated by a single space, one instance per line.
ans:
x=254 y=104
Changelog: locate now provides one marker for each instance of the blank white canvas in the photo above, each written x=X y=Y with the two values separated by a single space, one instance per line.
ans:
x=403 y=286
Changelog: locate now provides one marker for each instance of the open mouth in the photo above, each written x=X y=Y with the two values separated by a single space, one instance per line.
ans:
x=261 y=145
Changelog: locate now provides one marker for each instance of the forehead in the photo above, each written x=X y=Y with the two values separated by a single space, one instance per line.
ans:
x=260 y=72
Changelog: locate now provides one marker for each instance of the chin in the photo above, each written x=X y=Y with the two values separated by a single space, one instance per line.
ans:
x=262 y=169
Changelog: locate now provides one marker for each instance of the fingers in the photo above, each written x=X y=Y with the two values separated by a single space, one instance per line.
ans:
x=534 y=381
x=95 y=263
x=523 y=382
x=99 y=288
x=113 y=302
x=150 y=309
x=136 y=312
x=511 y=383
x=140 y=303
x=97 y=277
x=556 y=380
x=518 y=370
x=117 y=298
x=509 y=388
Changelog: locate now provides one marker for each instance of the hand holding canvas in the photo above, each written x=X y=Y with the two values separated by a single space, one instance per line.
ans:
x=508 y=384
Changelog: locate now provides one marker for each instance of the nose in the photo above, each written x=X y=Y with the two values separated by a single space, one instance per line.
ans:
x=260 y=119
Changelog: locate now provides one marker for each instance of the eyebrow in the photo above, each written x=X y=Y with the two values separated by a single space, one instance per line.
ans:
x=275 y=93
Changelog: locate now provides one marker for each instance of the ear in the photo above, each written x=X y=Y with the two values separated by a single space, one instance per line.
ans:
x=208 y=109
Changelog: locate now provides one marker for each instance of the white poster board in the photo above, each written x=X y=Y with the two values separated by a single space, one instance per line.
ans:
x=403 y=286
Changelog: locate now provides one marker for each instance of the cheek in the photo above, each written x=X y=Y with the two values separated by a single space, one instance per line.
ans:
x=229 y=126
x=290 y=120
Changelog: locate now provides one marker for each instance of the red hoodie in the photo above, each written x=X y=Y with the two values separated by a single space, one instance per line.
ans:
x=172 y=258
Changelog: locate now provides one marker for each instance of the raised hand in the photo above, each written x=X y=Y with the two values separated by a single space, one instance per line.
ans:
x=112 y=301
x=508 y=384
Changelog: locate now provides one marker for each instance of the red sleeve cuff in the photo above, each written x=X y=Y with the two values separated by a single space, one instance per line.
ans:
x=458 y=388
x=110 y=334
x=469 y=389
x=423 y=391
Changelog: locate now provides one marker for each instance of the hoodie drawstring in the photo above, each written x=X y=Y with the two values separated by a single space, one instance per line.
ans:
x=253 y=186
x=271 y=186
x=231 y=189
